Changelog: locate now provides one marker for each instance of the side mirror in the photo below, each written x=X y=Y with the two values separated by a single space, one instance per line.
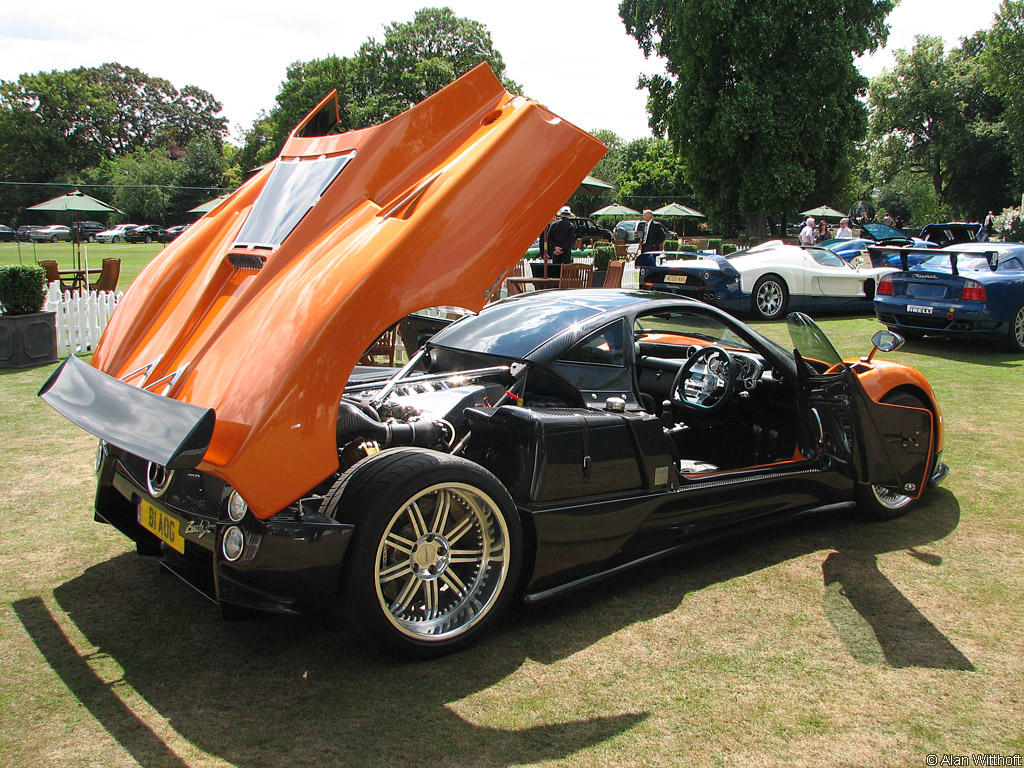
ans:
x=886 y=341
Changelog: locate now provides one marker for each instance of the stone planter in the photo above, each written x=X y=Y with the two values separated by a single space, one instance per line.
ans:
x=28 y=340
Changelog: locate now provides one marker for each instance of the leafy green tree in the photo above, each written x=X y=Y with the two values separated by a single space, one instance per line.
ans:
x=143 y=181
x=760 y=97
x=653 y=175
x=1004 y=65
x=199 y=175
x=383 y=79
x=932 y=115
x=56 y=123
x=416 y=59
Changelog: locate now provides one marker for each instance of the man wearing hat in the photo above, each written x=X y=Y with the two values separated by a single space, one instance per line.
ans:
x=561 y=237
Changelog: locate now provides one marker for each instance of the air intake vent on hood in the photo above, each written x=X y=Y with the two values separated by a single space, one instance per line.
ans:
x=245 y=261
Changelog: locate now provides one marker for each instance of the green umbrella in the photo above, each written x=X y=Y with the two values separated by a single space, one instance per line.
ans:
x=823 y=212
x=679 y=211
x=615 y=209
x=594 y=186
x=209 y=205
x=75 y=201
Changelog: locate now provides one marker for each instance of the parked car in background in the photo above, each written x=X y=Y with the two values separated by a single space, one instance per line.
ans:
x=768 y=280
x=51 y=233
x=590 y=232
x=88 y=230
x=627 y=231
x=173 y=232
x=146 y=233
x=950 y=233
x=848 y=248
x=7 y=235
x=24 y=232
x=970 y=290
x=115 y=234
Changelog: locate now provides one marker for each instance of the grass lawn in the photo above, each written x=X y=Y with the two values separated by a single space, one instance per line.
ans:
x=830 y=642
x=133 y=256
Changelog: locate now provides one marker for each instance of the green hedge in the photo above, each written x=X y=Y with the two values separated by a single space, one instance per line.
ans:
x=670 y=245
x=715 y=245
x=22 y=289
x=687 y=248
x=728 y=248
x=603 y=254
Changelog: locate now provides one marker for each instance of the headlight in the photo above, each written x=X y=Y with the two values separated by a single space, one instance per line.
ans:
x=237 y=507
x=233 y=543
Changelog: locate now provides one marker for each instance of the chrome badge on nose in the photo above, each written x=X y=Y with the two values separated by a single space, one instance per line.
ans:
x=158 y=479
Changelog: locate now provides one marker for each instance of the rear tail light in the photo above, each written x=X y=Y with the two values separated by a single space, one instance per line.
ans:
x=972 y=291
x=884 y=286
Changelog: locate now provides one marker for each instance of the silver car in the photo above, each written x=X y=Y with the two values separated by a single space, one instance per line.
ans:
x=52 y=233
x=115 y=234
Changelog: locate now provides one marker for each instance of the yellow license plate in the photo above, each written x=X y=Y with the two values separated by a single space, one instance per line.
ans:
x=675 y=278
x=165 y=527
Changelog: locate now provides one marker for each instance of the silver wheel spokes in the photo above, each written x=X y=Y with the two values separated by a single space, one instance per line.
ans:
x=442 y=561
x=889 y=498
x=1018 y=328
x=769 y=298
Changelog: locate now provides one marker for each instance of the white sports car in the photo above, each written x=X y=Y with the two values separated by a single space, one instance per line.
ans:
x=768 y=281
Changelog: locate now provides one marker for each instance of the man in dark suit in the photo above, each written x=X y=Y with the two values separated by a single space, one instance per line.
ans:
x=652 y=237
x=561 y=237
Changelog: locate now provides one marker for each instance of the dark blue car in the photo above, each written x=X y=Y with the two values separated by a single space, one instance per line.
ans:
x=971 y=290
x=848 y=248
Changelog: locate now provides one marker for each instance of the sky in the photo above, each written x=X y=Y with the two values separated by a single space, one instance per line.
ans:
x=573 y=56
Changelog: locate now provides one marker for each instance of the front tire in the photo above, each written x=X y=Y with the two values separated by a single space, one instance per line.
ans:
x=436 y=553
x=1015 y=337
x=770 y=297
x=54 y=239
x=878 y=502
x=115 y=239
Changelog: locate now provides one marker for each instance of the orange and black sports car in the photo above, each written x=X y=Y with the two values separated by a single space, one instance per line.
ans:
x=552 y=439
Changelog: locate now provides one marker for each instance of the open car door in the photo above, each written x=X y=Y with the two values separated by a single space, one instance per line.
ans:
x=872 y=443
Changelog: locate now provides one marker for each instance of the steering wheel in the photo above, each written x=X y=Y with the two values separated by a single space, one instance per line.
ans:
x=704 y=391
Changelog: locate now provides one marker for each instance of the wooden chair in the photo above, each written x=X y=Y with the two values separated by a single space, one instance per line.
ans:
x=53 y=273
x=107 y=281
x=576 y=276
x=620 y=250
x=384 y=346
x=613 y=276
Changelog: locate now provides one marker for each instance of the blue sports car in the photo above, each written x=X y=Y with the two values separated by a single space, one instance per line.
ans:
x=848 y=248
x=967 y=290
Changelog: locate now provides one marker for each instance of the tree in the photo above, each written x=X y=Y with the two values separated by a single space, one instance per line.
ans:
x=57 y=123
x=653 y=175
x=199 y=174
x=1004 y=66
x=143 y=179
x=760 y=98
x=931 y=115
x=415 y=60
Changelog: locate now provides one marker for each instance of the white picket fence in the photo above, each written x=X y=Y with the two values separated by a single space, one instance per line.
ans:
x=81 y=317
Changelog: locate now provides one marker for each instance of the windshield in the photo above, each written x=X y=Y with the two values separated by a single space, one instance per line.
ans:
x=810 y=341
x=293 y=188
x=687 y=327
x=884 y=232
x=964 y=262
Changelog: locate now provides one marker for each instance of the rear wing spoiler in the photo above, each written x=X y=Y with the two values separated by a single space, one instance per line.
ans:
x=878 y=254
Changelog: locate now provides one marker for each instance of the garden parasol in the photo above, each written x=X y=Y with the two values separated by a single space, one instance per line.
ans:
x=678 y=211
x=75 y=201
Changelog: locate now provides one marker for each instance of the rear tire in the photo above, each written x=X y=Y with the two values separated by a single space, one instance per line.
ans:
x=875 y=501
x=115 y=239
x=436 y=553
x=1015 y=337
x=770 y=297
x=54 y=239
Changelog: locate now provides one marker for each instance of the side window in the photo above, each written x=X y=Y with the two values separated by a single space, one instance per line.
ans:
x=825 y=258
x=603 y=347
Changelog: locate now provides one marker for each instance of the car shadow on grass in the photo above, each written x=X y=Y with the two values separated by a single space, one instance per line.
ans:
x=295 y=690
x=973 y=351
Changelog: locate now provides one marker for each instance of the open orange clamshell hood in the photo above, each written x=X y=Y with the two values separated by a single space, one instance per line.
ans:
x=256 y=315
